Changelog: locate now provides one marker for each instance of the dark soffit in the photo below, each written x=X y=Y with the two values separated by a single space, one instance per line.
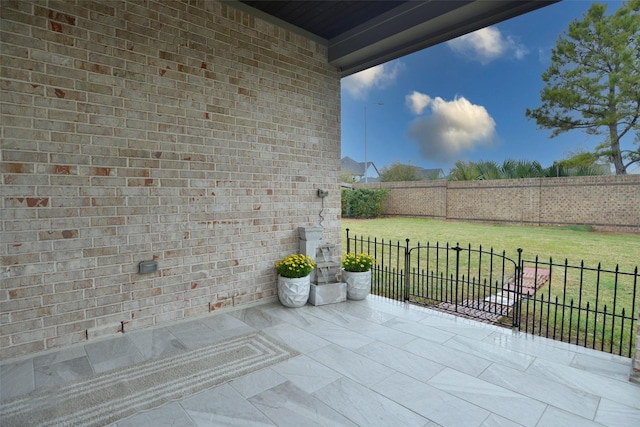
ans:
x=362 y=34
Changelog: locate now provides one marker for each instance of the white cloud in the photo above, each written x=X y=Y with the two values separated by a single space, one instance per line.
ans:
x=453 y=127
x=380 y=76
x=417 y=102
x=486 y=45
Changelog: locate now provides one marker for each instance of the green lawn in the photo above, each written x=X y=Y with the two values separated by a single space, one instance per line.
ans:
x=571 y=286
x=560 y=243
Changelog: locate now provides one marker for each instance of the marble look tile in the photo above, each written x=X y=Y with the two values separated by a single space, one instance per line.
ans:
x=169 y=415
x=561 y=375
x=623 y=392
x=63 y=372
x=363 y=312
x=529 y=344
x=152 y=343
x=194 y=334
x=58 y=356
x=301 y=317
x=447 y=356
x=287 y=405
x=359 y=368
x=573 y=349
x=257 y=382
x=612 y=413
x=365 y=407
x=606 y=367
x=339 y=335
x=431 y=402
x=296 y=338
x=333 y=315
x=112 y=354
x=225 y=322
x=498 y=400
x=537 y=387
x=418 y=330
x=306 y=374
x=554 y=417
x=236 y=332
x=400 y=360
x=491 y=352
x=497 y=421
x=458 y=326
x=222 y=406
x=396 y=308
x=16 y=378
x=256 y=317
x=369 y=329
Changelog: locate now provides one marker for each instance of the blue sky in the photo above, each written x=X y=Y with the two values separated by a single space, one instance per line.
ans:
x=464 y=99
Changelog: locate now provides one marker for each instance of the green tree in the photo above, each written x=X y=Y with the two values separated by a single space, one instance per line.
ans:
x=346 y=177
x=399 y=172
x=578 y=163
x=512 y=169
x=486 y=170
x=593 y=82
x=578 y=159
x=464 y=171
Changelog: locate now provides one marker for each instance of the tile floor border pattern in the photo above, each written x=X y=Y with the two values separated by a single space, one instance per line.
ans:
x=108 y=397
x=376 y=362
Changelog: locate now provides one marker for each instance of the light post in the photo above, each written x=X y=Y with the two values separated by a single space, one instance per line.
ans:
x=366 y=166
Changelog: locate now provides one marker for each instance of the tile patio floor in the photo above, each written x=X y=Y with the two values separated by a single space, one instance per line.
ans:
x=376 y=362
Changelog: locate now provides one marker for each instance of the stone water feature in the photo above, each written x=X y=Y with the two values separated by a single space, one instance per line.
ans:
x=326 y=288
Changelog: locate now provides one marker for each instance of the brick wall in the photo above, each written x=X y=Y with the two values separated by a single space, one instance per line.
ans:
x=608 y=203
x=186 y=132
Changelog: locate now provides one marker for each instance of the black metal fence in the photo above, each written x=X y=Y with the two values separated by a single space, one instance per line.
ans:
x=587 y=306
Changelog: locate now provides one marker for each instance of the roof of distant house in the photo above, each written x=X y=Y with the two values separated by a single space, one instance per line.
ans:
x=355 y=168
x=430 y=173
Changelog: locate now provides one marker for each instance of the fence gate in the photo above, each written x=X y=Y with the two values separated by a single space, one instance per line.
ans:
x=474 y=283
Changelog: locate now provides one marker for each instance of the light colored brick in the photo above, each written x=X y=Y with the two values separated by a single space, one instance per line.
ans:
x=129 y=149
x=539 y=201
x=104 y=330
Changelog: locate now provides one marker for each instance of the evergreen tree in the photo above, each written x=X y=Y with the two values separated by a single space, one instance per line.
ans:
x=593 y=82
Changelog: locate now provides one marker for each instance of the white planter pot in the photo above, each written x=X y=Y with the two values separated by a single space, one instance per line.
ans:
x=293 y=292
x=358 y=284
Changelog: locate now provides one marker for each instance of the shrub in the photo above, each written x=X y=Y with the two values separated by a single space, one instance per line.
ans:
x=363 y=203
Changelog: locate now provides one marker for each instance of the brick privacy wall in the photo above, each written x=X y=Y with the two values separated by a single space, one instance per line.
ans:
x=608 y=203
x=418 y=198
x=186 y=131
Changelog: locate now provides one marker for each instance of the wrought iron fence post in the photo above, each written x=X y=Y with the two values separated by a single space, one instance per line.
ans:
x=517 y=291
x=348 y=242
x=457 y=249
x=407 y=266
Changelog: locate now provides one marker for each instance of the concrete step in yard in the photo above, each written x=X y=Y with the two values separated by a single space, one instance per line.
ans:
x=493 y=308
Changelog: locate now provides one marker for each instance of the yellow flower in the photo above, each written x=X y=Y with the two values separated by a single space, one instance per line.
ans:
x=357 y=262
x=294 y=266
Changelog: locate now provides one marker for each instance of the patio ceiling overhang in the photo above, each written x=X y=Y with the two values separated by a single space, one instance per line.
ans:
x=362 y=34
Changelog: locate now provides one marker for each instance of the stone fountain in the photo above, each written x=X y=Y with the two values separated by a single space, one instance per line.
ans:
x=326 y=288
